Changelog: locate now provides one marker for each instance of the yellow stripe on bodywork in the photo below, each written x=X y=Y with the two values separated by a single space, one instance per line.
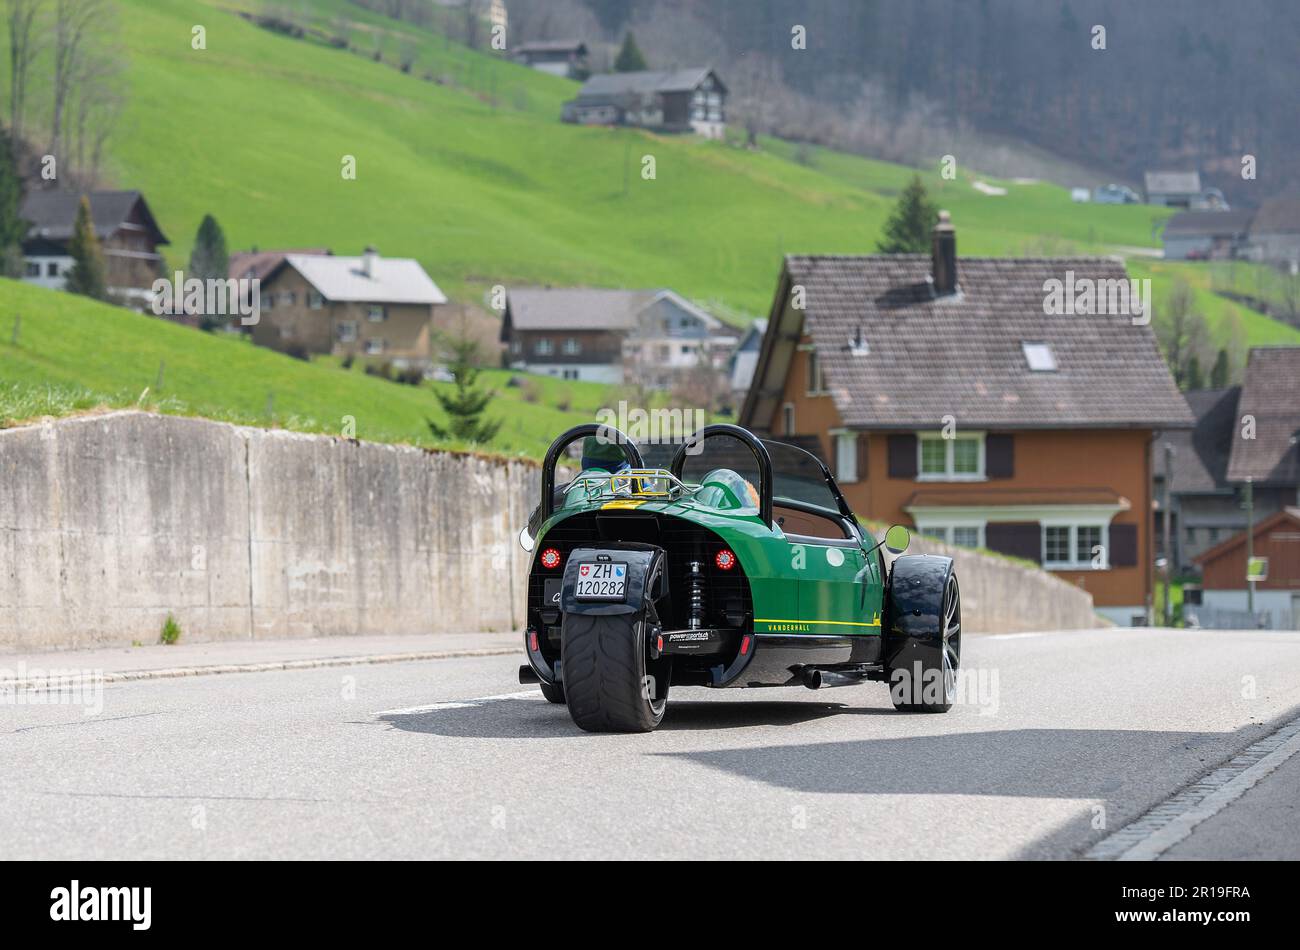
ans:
x=837 y=623
x=621 y=504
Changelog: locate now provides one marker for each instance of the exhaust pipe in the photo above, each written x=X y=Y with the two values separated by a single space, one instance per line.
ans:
x=528 y=676
x=824 y=679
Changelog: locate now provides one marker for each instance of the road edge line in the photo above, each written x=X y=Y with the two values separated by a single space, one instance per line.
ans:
x=1172 y=820
x=177 y=672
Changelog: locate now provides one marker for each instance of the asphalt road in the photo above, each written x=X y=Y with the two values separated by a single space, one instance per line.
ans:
x=452 y=758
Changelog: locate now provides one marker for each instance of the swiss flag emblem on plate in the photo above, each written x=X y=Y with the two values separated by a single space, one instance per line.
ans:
x=584 y=570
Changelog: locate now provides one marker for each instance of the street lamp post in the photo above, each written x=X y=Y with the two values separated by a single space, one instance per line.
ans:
x=1250 y=546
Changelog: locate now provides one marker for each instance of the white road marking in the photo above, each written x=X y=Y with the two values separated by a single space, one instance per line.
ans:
x=459 y=704
x=1173 y=820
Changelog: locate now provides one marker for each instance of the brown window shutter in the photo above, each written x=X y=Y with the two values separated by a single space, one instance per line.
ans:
x=1123 y=545
x=902 y=456
x=863 y=441
x=1023 y=539
x=1000 y=455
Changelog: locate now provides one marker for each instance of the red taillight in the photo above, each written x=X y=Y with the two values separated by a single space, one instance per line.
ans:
x=532 y=641
x=725 y=560
x=659 y=645
x=744 y=645
x=550 y=559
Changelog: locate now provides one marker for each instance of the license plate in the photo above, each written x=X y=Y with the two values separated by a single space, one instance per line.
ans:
x=601 y=581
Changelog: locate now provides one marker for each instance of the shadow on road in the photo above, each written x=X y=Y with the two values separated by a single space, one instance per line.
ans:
x=531 y=719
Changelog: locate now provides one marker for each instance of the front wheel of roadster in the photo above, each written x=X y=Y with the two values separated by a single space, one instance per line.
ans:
x=930 y=686
x=608 y=681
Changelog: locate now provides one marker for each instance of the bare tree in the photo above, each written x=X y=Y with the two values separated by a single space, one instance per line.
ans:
x=79 y=26
x=24 y=45
x=95 y=108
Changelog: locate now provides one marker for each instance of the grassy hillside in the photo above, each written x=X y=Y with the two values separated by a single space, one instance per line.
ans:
x=254 y=129
x=1232 y=326
x=73 y=353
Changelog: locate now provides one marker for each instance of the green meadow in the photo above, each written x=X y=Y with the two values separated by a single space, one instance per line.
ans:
x=74 y=354
x=463 y=164
x=473 y=174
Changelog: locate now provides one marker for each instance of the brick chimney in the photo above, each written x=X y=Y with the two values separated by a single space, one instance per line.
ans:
x=944 y=256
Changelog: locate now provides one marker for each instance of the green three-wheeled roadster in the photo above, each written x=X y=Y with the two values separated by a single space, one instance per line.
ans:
x=730 y=561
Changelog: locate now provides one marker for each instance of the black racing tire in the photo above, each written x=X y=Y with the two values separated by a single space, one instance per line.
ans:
x=606 y=683
x=554 y=693
x=934 y=690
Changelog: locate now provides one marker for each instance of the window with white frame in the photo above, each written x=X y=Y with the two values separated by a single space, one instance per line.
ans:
x=787 y=418
x=315 y=300
x=846 y=456
x=544 y=347
x=960 y=458
x=962 y=535
x=1074 y=546
x=376 y=313
x=572 y=347
x=347 y=331
x=374 y=346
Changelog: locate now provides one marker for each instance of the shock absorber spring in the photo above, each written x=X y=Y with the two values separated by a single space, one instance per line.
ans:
x=696 y=580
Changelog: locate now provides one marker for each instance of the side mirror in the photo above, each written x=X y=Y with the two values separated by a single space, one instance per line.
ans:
x=525 y=539
x=897 y=539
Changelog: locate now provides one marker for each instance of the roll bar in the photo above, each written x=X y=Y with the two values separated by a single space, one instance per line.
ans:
x=609 y=433
x=754 y=445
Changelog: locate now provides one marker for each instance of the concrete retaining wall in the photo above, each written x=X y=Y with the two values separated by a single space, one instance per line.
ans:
x=109 y=523
x=1001 y=596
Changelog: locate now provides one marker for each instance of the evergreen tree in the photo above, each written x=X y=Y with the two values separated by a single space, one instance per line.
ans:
x=209 y=260
x=1219 y=373
x=464 y=407
x=12 y=228
x=629 y=58
x=911 y=224
x=1193 y=378
x=87 y=276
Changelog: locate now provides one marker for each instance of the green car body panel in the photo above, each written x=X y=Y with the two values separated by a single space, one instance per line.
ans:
x=799 y=586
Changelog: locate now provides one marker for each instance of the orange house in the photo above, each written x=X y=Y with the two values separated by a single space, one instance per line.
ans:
x=1007 y=404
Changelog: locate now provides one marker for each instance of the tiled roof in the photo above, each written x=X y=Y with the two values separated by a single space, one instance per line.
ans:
x=927 y=357
x=1212 y=223
x=53 y=214
x=545 y=308
x=1200 y=460
x=1280 y=215
x=643 y=83
x=1272 y=396
x=259 y=264
x=1173 y=183
x=393 y=280
x=551 y=46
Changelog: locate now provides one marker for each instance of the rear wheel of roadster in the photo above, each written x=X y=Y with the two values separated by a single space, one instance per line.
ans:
x=928 y=680
x=610 y=684
x=554 y=693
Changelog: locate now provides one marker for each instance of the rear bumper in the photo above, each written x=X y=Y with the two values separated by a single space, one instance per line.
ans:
x=778 y=659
